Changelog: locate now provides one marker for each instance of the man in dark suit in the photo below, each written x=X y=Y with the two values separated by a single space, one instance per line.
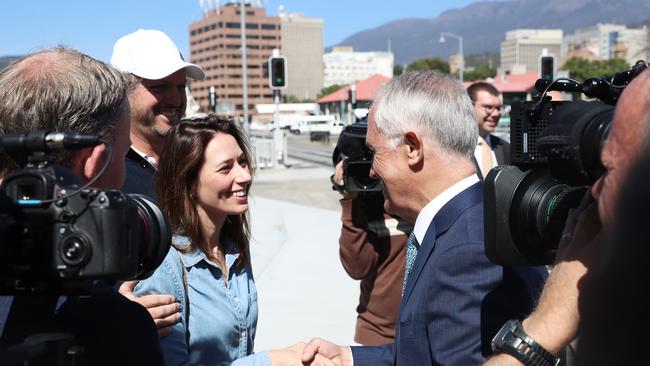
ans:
x=422 y=130
x=490 y=150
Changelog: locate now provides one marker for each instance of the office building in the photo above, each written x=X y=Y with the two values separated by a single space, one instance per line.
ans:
x=302 y=45
x=522 y=48
x=343 y=66
x=215 y=45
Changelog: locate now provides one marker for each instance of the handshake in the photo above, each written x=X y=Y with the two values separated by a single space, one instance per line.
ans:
x=318 y=352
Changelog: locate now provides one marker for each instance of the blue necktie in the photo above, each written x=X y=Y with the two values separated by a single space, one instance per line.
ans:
x=412 y=247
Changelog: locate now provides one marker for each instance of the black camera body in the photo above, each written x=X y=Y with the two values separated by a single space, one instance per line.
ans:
x=357 y=159
x=57 y=236
x=555 y=153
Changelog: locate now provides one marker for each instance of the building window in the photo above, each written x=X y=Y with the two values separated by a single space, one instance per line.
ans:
x=268 y=26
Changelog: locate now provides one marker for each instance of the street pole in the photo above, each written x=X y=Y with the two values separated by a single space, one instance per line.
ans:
x=460 y=51
x=277 y=133
x=244 y=61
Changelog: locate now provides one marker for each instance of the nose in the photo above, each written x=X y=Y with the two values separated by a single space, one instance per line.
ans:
x=597 y=188
x=372 y=173
x=243 y=176
x=175 y=96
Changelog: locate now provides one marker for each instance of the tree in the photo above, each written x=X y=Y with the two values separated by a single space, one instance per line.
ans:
x=429 y=63
x=398 y=70
x=481 y=72
x=329 y=90
x=580 y=69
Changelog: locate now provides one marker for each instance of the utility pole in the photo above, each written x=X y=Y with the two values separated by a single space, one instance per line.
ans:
x=244 y=62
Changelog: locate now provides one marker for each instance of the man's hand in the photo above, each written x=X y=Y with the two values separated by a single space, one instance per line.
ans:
x=339 y=355
x=555 y=321
x=338 y=179
x=291 y=356
x=164 y=309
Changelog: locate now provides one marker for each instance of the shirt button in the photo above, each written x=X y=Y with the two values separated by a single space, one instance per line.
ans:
x=236 y=299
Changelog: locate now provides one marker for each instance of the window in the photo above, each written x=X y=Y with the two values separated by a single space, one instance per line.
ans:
x=268 y=26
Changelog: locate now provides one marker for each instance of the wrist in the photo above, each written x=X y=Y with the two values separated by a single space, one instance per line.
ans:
x=512 y=339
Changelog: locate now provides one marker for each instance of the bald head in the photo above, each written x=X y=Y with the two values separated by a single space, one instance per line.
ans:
x=60 y=89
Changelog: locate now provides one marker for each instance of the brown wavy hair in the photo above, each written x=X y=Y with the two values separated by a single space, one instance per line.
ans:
x=176 y=180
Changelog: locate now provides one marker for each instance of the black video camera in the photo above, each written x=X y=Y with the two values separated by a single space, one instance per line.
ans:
x=555 y=148
x=357 y=159
x=58 y=236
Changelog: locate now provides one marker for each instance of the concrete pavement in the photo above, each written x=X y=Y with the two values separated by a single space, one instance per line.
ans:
x=303 y=290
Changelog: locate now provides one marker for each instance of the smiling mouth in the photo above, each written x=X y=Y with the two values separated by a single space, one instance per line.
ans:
x=241 y=193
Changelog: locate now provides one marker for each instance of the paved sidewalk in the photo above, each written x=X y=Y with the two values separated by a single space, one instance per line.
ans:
x=303 y=290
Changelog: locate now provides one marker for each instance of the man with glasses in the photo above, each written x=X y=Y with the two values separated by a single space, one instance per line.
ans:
x=490 y=150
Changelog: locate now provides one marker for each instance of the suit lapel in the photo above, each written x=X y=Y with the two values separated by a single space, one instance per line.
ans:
x=447 y=215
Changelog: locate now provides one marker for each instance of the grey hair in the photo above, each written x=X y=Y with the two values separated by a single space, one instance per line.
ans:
x=433 y=104
x=61 y=89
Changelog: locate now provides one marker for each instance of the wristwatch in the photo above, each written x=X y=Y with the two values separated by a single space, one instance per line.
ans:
x=512 y=339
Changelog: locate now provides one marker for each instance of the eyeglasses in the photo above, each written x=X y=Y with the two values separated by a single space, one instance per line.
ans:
x=491 y=108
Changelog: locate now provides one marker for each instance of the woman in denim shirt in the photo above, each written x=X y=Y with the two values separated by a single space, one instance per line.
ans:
x=202 y=187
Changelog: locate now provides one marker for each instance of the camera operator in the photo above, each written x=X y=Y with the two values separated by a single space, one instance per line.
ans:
x=60 y=89
x=372 y=250
x=557 y=319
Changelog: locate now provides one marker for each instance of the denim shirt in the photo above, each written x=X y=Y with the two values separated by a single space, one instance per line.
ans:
x=222 y=318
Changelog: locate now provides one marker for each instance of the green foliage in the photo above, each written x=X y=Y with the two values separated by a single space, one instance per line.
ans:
x=476 y=60
x=294 y=99
x=329 y=90
x=481 y=72
x=398 y=70
x=581 y=69
x=429 y=63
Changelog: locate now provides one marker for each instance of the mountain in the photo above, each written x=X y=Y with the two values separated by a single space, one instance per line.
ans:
x=6 y=60
x=483 y=25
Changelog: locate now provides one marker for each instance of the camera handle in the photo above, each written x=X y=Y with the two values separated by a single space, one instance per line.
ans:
x=44 y=349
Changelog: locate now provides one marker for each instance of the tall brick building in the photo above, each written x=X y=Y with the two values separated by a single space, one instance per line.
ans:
x=215 y=45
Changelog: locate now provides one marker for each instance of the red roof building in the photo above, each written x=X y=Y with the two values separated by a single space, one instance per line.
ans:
x=337 y=103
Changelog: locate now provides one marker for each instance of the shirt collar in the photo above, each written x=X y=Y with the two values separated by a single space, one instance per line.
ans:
x=428 y=213
x=150 y=159
x=487 y=139
x=195 y=256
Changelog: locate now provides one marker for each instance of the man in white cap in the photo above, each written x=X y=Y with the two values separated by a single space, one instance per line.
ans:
x=157 y=102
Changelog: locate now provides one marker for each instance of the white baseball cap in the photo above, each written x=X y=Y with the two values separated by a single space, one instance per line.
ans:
x=151 y=54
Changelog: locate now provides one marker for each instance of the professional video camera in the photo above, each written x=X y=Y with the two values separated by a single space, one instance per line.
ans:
x=555 y=148
x=58 y=236
x=357 y=159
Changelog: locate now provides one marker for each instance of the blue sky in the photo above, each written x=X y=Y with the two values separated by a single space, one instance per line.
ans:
x=93 y=26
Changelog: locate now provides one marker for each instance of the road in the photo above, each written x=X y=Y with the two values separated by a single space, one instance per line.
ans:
x=318 y=152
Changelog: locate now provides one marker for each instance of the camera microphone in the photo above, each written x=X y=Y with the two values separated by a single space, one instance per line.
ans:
x=45 y=141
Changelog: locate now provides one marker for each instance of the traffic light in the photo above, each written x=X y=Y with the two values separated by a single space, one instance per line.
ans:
x=547 y=67
x=277 y=72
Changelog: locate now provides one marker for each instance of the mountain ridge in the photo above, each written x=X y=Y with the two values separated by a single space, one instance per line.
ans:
x=483 y=25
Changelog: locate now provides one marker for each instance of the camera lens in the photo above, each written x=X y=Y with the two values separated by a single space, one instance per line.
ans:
x=540 y=208
x=155 y=236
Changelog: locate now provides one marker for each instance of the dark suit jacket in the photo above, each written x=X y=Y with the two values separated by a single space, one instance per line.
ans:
x=501 y=150
x=139 y=175
x=456 y=299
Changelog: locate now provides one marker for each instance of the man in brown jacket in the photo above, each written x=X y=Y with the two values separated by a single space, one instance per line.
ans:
x=372 y=250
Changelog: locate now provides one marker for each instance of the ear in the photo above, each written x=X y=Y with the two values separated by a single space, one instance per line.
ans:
x=414 y=147
x=89 y=161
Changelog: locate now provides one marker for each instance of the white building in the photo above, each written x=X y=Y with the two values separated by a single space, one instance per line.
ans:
x=607 y=41
x=344 y=66
x=302 y=44
x=522 y=48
